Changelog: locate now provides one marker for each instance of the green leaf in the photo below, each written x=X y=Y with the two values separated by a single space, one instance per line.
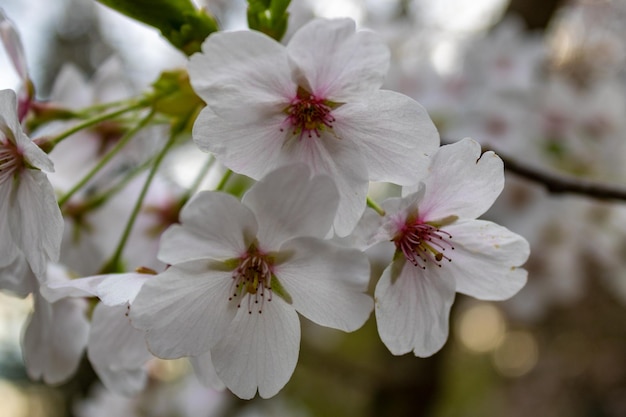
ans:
x=269 y=16
x=179 y=21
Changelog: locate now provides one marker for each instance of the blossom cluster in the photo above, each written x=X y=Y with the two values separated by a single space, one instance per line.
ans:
x=220 y=279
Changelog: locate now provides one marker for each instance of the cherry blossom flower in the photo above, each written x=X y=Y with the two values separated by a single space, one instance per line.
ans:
x=115 y=349
x=241 y=270
x=10 y=39
x=316 y=100
x=30 y=219
x=441 y=249
x=56 y=333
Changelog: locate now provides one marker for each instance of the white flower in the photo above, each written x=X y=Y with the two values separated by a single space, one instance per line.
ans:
x=30 y=219
x=115 y=349
x=10 y=39
x=441 y=249
x=55 y=335
x=241 y=270
x=317 y=101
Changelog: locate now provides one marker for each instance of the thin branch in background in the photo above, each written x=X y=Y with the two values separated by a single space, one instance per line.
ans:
x=561 y=184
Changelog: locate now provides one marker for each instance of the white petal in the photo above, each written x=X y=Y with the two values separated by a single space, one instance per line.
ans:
x=8 y=249
x=37 y=223
x=412 y=309
x=13 y=45
x=18 y=278
x=336 y=62
x=462 y=182
x=249 y=148
x=9 y=123
x=33 y=153
x=119 y=289
x=83 y=287
x=54 y=339
x=326 y=283
x=288 y=203
x=342 y=161
x=205 y=371
x=396 y=136
x=184 y=310
x=214 y=226
x=486 y=260
x=259 y=351
x=242 y=75
x=117 y=351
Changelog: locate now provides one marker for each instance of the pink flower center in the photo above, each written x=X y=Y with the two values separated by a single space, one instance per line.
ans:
x=422 y=243
x=308 y=114
x=253 y=277
x=11 y=159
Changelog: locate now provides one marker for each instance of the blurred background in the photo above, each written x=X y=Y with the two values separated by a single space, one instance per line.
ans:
x=542 y=82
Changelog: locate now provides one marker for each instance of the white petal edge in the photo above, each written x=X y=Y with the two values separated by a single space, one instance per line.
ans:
x=461 y=182
x=412 y=309
x=260 y=351
x=289 y=203
x=327 y=284
x=54 y=339
x=205 y=371
x=117 y=351
x=486 y=261
x=396 y=136
x=242 y=75
x=214 y=226
x=185 y=310
x=336 y=62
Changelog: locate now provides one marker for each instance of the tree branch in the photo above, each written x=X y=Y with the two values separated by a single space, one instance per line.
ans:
x=560 y=184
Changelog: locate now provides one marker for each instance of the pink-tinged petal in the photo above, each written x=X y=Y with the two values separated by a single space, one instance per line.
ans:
x=486 y=261
x=205 y=371
x=259 y=351
x=461 y=182
x=242 y=75
x=184 y=310
x=395 y=134
x=37 y=223
x=326 y=283
x=335 y=62
x=412 y=309
x=397 y=211
x=249 y=148
x=214 y=226
x=117 y=351
x=288 y=203
x=13 y=45
x=54 y=339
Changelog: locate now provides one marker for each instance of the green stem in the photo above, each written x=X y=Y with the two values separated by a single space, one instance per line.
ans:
x=223 y=181
x=198 y=180
x=87 y=123
x=103 y=197
x=118 y=146
x=85 y=112
x=378 y=209
x=113 y=264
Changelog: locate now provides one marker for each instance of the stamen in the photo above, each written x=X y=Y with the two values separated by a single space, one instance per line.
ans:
x=422 y=243
x=252 y=277
x=308 y=115
x=10 y=159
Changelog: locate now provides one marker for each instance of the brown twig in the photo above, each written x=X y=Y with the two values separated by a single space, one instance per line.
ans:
x=558 y=184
